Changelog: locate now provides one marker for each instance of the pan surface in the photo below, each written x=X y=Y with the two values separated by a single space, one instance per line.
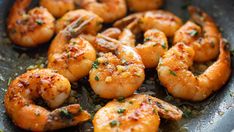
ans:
x=216 y=114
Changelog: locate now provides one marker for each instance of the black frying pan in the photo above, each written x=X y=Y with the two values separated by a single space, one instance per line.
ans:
x=216 y=114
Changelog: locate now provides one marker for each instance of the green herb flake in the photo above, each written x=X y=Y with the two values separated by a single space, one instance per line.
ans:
x=121 y=99
x=95 y=64
x=172 y=72
x=9 y=81
x=96 y=78
x=154 y=111
x=65 y=114
x=114 y=123
x=121 y=110
x=232 y=52
x=146 y=39
x=193 y=33
x=164 y=45
x=130 y=102
x=39 y=22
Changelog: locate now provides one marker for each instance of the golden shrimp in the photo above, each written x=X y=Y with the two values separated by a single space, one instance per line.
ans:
x=116 y=74
x=29 y=29
x=155 y=42
x=70 y=54
x=137 y=113
x=173 y=73
x=93 y=26
x=58 y=7
x=109 y=10
x=143 y=5
x=204 y=39
x=164 y=21
x=54 y=89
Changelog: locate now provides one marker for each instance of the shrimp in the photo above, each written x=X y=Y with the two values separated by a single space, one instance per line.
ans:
x=70 y=54
x=164 y=21
x=174 y=75
x=143 y=5
x=58 y=7
x=137 y=113
x=93 y=26
x=116 y=74
x=29 y=29
x=204 y=39
x=154 y=46
x=54 y=89
x=109 y=10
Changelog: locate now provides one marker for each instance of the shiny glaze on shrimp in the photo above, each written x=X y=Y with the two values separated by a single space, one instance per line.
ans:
x=117 y=73
x=70 y=54
x=54 y=89
x=143 y=5
x=173 y=73
x=109 y=10
x=204 y=39
x=58 y=7
x=29 y=29
x=93 y=26
x=137 y=113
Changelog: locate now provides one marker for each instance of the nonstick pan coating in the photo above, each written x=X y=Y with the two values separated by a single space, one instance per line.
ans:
x=216 y=114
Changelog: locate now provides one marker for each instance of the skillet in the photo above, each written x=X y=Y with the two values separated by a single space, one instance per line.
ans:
x=215 y=114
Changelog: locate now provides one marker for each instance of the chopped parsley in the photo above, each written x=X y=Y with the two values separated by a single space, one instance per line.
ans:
x=65 y=114
x=121 y=110
x=96 y=78
x=9 y=81
x=146 y=39
x=39 y=22
x=114 y=123
x=121 y=99
x=172 y=72
x=164 y=45
x=193 y=33
x=95 y=64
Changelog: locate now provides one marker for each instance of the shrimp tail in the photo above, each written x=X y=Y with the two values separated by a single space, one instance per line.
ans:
x=198 y=16
x=75 y=28
x=66 y=116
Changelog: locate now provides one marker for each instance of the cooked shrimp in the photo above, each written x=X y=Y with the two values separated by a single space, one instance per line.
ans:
x=116 y=74
x=154 y=46
x=29 y=29
x=109 y=10
x=70 y=54
x=93 y=26
x=58 y=7
x=204 y=39
x=54 y=89
x=164 y=21
x=174 y=75
x=143 y=5
x=137 y=113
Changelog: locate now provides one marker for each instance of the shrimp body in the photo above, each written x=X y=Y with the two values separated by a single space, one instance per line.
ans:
x=143 y=5
x=204 y=39
x=71 y=55
x=117 y=74
x=54 y=89
x=164 y=21
x=173 y=73
x=137 y=113
x=93 y=26
x=154 y=46
x=109 y=10
x=29 y=29
x=58 y=7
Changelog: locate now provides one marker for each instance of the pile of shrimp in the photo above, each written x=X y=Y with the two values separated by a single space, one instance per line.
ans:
x=113 y=60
